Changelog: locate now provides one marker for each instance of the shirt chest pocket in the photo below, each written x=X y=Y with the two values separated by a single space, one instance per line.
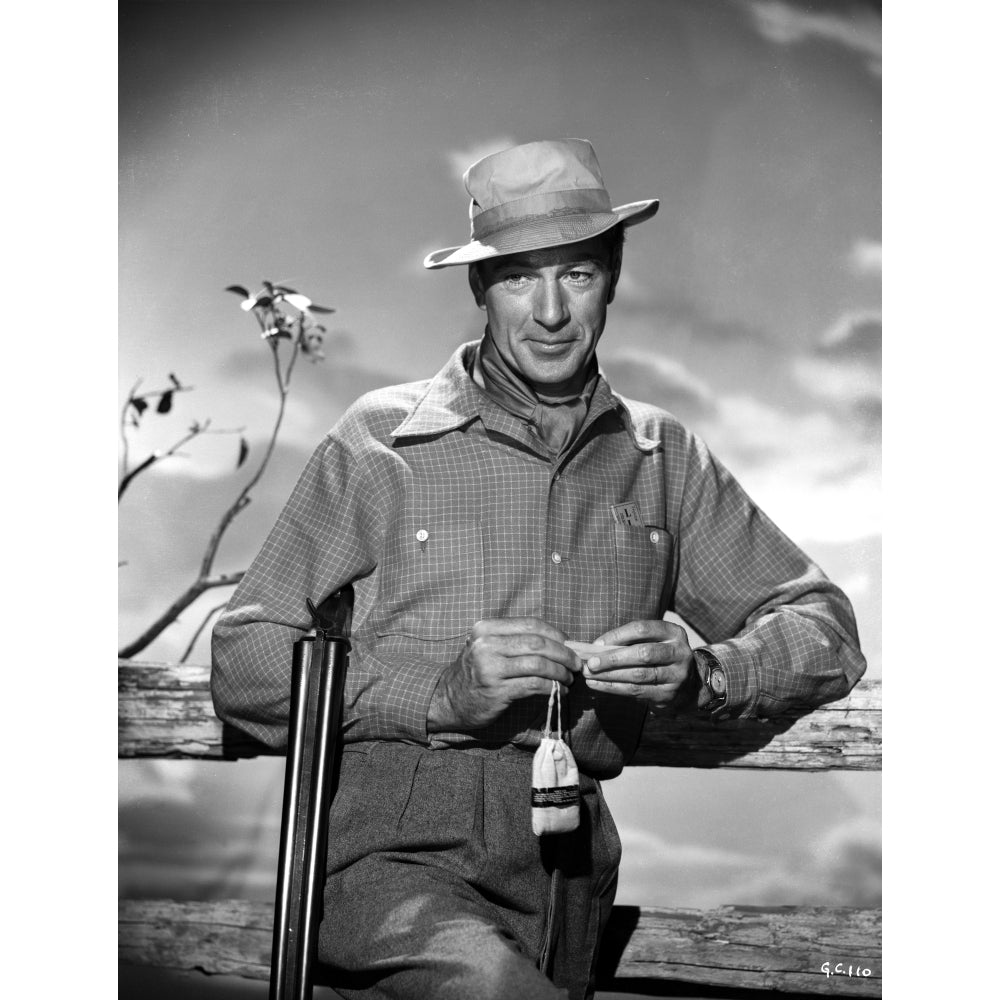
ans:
x=431 y=584
x=642 y=563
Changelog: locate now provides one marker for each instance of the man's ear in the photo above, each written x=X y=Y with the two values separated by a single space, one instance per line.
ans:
x=476 y=284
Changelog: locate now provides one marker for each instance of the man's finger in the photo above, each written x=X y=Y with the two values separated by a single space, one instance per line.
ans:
x=647 y=630
x=656 y=693
x=638 y=675
x=518 y=667
x=516 y=626
x=528 y=687
x=530 y=643
x=643 y=654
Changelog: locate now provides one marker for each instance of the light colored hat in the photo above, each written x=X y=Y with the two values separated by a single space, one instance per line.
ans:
x=541 y=194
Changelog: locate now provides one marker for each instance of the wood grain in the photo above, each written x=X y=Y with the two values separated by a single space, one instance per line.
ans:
x=773 y=948
x=165 y=710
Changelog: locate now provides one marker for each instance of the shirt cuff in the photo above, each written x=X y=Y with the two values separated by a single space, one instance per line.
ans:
x=392 y=696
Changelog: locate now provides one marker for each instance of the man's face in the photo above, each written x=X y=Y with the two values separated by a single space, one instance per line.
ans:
x=546 y=310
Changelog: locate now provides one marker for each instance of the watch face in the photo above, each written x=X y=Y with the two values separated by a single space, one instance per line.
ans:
x=717 y=681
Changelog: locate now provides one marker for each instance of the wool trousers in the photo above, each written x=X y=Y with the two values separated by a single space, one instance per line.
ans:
x=437 y=888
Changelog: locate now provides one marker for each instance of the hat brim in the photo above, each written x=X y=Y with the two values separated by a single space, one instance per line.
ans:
x=542 y=232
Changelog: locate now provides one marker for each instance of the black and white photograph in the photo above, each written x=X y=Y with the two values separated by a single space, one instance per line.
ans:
x=500 y=499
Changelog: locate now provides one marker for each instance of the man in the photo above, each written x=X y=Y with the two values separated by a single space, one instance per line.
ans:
x=485 y=517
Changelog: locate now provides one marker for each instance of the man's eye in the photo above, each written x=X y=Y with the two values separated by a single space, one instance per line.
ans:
x=515 y=278
x=579 y=275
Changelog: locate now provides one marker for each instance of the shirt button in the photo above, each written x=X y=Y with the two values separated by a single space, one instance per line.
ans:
x=654 y=536
x=422 y=535
x=556 y=558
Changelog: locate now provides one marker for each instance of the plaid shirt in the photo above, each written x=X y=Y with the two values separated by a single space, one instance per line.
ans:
x=443 y=509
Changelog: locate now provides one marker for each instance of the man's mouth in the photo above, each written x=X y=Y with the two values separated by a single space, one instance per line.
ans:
x=551 y=346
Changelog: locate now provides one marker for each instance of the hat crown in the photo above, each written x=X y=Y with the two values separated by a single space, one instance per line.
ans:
x=539 y=194
x=543 y=168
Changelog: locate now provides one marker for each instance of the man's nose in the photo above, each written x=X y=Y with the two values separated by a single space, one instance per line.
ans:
x=550 y=304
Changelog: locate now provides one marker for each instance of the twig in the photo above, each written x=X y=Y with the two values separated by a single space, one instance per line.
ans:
x=158 y=456
x=174 y=449
x=170 y=615
x=126 y=475
x=243 y=499
x=200 y=629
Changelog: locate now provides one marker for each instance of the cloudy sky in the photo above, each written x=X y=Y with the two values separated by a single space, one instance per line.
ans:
x=322 y=145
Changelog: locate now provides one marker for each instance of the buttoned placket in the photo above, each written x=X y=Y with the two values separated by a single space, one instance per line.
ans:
x=555 y=555
x=547 y=478
x=559 y=554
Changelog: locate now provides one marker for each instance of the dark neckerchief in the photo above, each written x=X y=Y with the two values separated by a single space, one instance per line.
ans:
x=557 y=420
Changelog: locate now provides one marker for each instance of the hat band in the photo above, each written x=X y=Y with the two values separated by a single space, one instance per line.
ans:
x=576 y=201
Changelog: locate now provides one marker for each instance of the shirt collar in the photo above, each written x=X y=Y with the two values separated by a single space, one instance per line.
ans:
x=453 y=400
x=450 y=401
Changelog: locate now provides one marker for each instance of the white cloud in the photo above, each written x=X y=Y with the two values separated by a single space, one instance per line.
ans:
x=657 y=379
x=461 y=159
x=758 y=435
x=816 y=474
x=840 y=381
x=643 y=847
x=865 y=257
x=856 y=585
x=811 y=510
x=754 y=426
x=858 y=331
x=842 y=867
x=835 y=845
x=812 y=476
x=847 y=365
x=159 y=781
x=785 y=25
x=654 y=870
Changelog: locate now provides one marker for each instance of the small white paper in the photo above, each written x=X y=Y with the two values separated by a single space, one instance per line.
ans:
x=587 y=649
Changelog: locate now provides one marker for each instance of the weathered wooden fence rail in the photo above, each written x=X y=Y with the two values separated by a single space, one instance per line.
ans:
x=165 y=711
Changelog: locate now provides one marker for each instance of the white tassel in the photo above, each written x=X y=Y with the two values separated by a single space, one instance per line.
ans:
x=555 y=786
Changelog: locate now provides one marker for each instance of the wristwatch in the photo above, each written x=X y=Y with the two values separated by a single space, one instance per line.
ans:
x=713 y=676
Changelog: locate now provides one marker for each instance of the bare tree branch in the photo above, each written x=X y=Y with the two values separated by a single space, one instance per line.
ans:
x=158 y=456
x=170 y=615
x=275 y=325
x=197 y=632
x=136 y=404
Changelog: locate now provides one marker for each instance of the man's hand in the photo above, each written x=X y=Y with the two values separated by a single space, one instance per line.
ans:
x=656 y=665
x=504 y=660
